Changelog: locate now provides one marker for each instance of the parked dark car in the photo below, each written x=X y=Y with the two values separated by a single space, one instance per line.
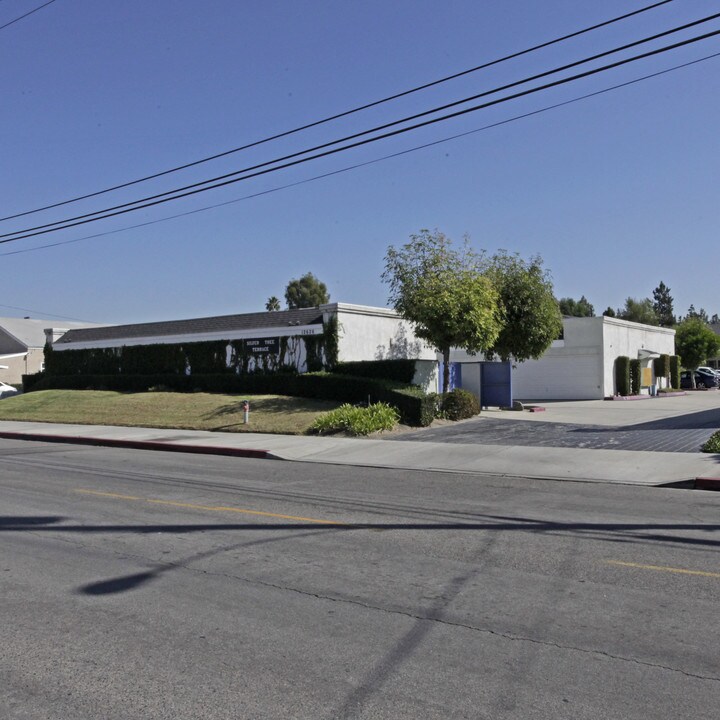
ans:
x=703 y=379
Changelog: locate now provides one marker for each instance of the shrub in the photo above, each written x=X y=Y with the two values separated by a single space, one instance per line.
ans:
x=622 y=375
x=661 y=366
x=357 y=420
x=460 y=405
x=675 y=372
x=713 y=443
x=635 y=375
x=399 y=370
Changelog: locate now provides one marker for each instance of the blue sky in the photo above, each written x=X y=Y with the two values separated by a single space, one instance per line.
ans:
x=616 y=192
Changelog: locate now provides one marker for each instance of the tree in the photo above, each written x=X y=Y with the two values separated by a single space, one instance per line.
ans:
x=697 y=314
x=639 y=311
x=305 y=292
x=444 y=293
x=663 y=305
x=531 y=316
x=576 y=308
x=695 y=342
x=273 y=304
x=609 y=312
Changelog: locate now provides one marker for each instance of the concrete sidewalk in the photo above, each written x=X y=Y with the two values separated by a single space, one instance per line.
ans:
x=582 y=465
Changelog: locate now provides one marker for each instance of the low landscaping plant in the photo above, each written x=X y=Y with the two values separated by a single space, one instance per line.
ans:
x=357 y=420
x=459 y=405
x=713 y=443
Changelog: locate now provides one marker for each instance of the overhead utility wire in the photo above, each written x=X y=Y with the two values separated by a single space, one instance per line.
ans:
x=22 y=17
x=60 y=224
x=40 y=312
x=342 y=114
x=393 y=133
x=356 y=166
x=17 y=19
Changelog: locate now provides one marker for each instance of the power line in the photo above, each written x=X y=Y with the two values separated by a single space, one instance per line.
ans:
x=368 y=162
x=187 y=191
x=39 y=312
x=331 y=118
x=17 y=19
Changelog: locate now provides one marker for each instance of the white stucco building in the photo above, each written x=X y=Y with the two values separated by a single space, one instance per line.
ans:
x=581 y=366
x=363 y=333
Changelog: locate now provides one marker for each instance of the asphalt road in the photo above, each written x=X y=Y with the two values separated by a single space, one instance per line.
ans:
x=677 y=434
x=151 y=585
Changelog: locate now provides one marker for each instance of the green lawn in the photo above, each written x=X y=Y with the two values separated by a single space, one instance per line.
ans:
x=189 y=411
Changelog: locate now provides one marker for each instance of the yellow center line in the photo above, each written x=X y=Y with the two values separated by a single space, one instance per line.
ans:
x=663 y=568
x=212 y=508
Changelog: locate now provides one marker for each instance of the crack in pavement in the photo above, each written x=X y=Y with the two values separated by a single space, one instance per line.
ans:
x=163 y=566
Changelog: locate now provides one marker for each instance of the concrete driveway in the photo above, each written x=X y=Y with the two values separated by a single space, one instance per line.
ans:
x=663 y=424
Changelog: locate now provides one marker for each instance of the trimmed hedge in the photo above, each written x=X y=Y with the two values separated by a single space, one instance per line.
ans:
x=635 y=376
x=399 y=370
x=622 y=375
x=675 y=372
x=661 y=365
x=414 y=406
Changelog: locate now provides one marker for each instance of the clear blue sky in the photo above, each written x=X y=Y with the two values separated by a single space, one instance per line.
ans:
x=616 y=192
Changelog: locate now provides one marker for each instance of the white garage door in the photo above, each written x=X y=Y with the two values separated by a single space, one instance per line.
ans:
x=571 y=377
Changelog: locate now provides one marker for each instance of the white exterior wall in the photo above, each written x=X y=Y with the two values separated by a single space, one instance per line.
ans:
x=369 y=333
x=582 y=365
x=622 y=337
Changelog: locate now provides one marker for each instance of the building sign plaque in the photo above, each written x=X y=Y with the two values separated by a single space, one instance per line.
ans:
x=262 y=345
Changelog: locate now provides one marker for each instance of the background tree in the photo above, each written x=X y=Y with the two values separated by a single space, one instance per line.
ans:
x=444 y=293
x=306 y=291
x=695 y=342
x=700 y=314
x=663 y=305
x=531 y=316
x=273 y=304
x=576 y=308
x=609 y=312
x=639 y=311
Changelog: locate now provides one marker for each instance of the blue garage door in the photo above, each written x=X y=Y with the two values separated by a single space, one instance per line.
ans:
x=496 y=384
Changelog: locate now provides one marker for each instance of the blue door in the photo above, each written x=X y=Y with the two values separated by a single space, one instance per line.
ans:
x=496 y=384
x=455 y=380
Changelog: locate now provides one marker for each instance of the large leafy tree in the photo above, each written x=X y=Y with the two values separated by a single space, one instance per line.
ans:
x=639 y=311
x=576 y=308
x=306 y=291
x=444 y=293
x=695 y=342
x=663 y=305
x=531 y=316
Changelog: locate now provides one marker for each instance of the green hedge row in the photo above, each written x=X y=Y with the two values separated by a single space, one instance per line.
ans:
x=415 y=407
x=398 y=370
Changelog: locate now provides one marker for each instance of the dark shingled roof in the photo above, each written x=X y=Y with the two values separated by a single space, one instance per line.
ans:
x=224 y=323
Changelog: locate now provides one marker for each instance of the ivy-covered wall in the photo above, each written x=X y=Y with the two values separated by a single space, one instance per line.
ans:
x=294 y=354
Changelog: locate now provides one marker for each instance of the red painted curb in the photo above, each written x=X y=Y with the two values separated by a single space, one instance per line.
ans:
x=137 y=445
x=707 y=483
